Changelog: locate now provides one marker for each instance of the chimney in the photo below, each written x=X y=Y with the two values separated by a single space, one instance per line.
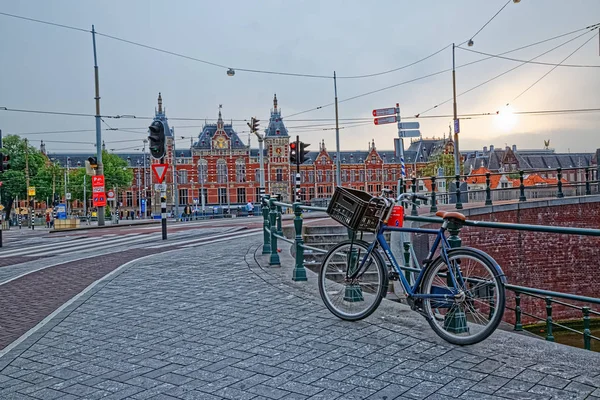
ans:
x=491 y=148
x=514 y=148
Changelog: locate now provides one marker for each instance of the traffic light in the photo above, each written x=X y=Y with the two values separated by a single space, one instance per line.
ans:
x=253 y=124
x=5 y=164
x=293 y=152
x=93 y=162
x=157 y=139
x=302 y=152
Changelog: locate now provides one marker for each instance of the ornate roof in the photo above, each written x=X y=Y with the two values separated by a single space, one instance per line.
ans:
x=276 y=128
x=161 y=115
x=209 y=131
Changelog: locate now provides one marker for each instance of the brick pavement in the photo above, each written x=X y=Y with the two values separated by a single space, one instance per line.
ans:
x=210 y=323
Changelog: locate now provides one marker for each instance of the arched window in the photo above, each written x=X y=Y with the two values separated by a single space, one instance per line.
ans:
x=240 y=170
x=203 y=171
x=221 y=171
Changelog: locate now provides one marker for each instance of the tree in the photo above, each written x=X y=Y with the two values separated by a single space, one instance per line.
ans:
x=14 y=181
x=116 y=174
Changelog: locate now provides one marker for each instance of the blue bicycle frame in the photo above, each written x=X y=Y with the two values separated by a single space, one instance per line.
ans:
x=412 y=291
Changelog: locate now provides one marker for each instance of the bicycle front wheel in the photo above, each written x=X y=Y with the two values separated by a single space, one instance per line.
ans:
x=474 y=304
x=347 y=297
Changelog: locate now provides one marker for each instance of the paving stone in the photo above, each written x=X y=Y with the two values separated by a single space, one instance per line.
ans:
x=515 y=384
x=390 y=392
x=268 y=391
x=557 y=393
x=490 y=384
x=521 y=395
x=554 y=381
x=422 y=390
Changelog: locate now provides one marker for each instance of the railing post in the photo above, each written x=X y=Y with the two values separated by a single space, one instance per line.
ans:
x=586 y=329
x=299 y=271
x=266 y=225
x=406 y=246
x=433 y=207
x=458 y=201
x=454 y=321
x=521 y=187
x=559 y=175
x=549 y=336
x=588 y=188
x=518 y=324
x=279 y=228
x=488 y=190
x=414 y=192
x=274 y=259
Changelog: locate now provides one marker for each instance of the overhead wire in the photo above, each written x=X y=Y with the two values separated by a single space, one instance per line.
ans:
x=490 y=20
x=529 y=61
x=501 y=74
x=550 y=71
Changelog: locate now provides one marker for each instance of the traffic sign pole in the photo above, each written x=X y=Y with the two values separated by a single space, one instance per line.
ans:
x=402 y=166
x=163 y=197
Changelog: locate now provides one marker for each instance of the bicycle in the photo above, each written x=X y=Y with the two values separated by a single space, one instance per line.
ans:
x=459 y=291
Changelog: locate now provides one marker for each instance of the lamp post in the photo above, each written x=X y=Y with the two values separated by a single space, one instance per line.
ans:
x=456 y=123
x=261 y=139
x=139 y=188
x=201 y=180
x=145 y=182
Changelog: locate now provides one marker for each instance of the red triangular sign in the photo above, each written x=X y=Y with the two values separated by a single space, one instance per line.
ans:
x=160 y=170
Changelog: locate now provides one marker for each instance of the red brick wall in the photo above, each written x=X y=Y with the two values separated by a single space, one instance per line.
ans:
x=563 y=263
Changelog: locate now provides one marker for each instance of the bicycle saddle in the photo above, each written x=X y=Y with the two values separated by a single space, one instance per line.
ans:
x=451 y=215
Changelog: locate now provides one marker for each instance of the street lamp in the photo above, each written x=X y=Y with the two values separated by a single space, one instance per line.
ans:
x=261 y=139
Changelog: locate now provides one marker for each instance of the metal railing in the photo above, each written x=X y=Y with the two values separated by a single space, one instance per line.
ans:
x=272 y=227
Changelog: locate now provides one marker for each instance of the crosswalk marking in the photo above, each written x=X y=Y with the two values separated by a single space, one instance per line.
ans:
x=190 y=242
x=64 y=245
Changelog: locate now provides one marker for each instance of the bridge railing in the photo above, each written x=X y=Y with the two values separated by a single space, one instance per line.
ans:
x=272 y=224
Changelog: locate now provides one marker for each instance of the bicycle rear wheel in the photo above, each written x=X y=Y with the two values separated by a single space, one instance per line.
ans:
x=352 y=299
x=473 y=310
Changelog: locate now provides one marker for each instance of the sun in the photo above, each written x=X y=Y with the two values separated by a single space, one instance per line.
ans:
x=506 y=119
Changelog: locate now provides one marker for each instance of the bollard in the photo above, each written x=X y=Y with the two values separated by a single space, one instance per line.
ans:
x=274 y=259
x=488 y=190
x=454 y=321
x=458 y=200
x=414 y=192
x=586 y=328
x=299 y=270
x=407 y=273
x=518 y=325
x=560 y=194
x=433 y=207
x=521 y=187
x=266 y=225
x=549 y=336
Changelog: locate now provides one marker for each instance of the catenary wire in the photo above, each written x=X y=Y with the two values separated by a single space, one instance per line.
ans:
x=502 y=74
x=552 y=69
x=490 y=20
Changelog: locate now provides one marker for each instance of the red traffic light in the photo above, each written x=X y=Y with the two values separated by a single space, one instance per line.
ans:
x=293 y=145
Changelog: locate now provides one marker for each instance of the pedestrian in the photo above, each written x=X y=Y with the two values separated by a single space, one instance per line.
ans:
x=47 y=220
x=250 y=208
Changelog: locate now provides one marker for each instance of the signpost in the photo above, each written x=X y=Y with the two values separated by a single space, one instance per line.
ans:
x=384 y=120
x=384 y=111
x=98 y=191
x=31 y=190
x=160 y=170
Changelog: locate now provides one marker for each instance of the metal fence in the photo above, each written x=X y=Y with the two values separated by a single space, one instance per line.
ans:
x=272 y=228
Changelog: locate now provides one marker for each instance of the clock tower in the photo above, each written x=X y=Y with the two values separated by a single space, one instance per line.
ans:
x=277 y=143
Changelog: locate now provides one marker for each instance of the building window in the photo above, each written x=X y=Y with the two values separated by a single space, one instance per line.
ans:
x=221 y=171
x=311 y=193
x=378 y=190
x=378 y=175
x=370 y=190
x=240 y=171
x=222 y=195
x=182 y=177
x=257 y=194
x=323 y=160
x=361 y=175
x=279 y=175
x=129 y=200
x=320 y=190
x=311 y=176
x=319 y=176
x=183 y=196
x=241 y=195
x=203 y=171
x=373 y=159
x=328 y=175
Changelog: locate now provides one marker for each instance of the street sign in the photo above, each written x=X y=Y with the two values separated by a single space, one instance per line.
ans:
x=384 y=111
x=110 y=195
x=31 y=190
x=404 y=134
x=456 y=126
x=160 y=186
x=98 y=181
x=160 y=170
x=98 y=189
x=61 y=211
x=1 y=207
x=68 y=196
x=408 y=125
x=385 y=120
x=99 y=199
x=143 y=205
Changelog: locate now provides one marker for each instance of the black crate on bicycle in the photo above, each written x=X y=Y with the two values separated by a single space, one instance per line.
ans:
x=356 y=209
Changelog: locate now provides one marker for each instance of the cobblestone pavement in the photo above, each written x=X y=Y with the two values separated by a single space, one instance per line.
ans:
x=211 y=323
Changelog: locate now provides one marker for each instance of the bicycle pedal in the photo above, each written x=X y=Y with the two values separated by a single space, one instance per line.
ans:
x=393 y=276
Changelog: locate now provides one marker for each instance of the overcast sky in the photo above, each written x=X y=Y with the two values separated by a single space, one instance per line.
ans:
x=50 y=68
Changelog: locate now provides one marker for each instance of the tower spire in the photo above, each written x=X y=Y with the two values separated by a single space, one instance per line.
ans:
x=220 y=120
x=160 y=110
x=275 y=102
